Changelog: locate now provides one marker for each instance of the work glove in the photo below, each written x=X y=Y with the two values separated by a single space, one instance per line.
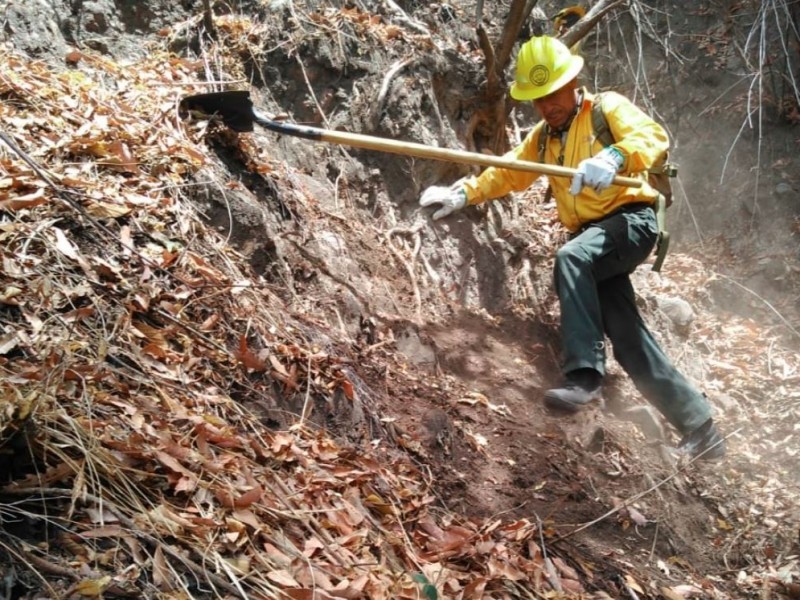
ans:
x=451 y=198
x=597 y=172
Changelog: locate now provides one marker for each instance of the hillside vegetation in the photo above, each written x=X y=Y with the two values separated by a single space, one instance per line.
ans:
x=241 y=365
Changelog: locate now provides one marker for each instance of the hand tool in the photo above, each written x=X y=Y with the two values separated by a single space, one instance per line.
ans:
x=237 y=112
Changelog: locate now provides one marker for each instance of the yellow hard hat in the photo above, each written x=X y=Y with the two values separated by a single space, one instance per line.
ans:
x=544 y=65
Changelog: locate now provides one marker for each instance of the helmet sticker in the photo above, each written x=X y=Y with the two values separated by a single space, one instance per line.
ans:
x=539 y=75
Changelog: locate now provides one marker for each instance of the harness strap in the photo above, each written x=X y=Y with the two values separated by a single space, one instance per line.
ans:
x=662 y=242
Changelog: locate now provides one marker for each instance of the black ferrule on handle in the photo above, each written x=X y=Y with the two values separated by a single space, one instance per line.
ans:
x=308 y=133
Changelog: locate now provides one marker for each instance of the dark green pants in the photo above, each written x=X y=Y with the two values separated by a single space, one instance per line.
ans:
x=597 y=299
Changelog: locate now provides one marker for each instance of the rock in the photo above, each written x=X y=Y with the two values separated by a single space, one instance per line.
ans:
x=678 y=310
x=32 y=28
x=774 y=267
x=279 y=5
x=94 y=18
x=727 y=403
x=648 y=421
x=411 y=345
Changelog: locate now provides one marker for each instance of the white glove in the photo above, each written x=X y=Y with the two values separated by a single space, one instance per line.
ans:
x=597 y=172
x=451 y=198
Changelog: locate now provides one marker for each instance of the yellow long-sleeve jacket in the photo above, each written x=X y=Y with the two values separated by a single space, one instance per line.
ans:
x=641 y=141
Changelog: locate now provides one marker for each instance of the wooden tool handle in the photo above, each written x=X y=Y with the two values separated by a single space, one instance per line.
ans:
x=369 y=142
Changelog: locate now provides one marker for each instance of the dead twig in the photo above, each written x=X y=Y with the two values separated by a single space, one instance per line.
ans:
x=631 y=592
x=208 y=19
x=550 y=569
x=405 y=19
x=765 y=301
x=309 y=520
x=199 y=570
x=414 y=232
x=387 y=82
x=311 y=92
x=46 y=566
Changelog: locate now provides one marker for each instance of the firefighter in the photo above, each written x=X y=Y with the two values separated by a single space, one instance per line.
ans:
x=613 y=230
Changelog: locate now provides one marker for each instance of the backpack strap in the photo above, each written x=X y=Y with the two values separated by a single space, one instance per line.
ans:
x=602 y=130
x=542 y=148
x=603 y=134
x=542 y=141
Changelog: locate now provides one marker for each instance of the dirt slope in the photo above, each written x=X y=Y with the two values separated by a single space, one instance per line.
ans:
x=414 y=353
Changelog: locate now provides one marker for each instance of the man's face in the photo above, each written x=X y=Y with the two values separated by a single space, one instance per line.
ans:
x=557 y=108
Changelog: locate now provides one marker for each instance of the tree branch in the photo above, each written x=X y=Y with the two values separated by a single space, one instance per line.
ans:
x=578 y=31
x=491 y=63
x=478 y=13
x=511 y=29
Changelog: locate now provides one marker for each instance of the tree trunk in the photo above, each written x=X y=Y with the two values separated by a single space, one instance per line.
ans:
x=489 y=121
x=488 y=128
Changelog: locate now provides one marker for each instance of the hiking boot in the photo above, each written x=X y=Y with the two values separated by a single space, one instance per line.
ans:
x=580 y=387
x=704 y=443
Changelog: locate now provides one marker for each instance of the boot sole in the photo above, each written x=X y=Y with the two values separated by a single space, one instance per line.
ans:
x=565 y=405
x=705 y=438
x=715 y=453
